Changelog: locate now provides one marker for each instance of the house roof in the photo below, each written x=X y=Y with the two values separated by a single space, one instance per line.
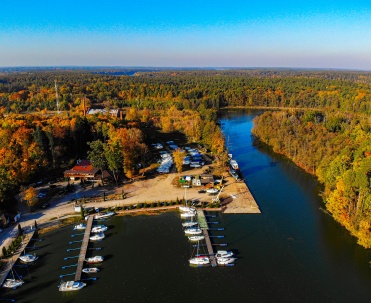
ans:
x=82 y=168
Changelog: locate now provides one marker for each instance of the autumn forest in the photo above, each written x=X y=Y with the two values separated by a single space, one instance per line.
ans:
x=318 y=119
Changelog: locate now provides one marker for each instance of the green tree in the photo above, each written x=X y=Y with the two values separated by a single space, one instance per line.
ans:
x=96 y=155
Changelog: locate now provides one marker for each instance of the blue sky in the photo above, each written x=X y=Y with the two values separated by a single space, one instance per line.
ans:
x=314 y=34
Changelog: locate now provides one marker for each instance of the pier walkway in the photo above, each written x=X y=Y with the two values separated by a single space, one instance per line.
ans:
x=205 y=229
x=84 y=248
x=11 y=261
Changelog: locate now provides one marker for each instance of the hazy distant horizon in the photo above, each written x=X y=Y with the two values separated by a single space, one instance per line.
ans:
x=164 y=68
x=288 y=34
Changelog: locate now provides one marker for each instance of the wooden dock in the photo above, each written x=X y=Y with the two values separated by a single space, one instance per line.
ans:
x=205 y=229
x=84 y=248
x=11 y=261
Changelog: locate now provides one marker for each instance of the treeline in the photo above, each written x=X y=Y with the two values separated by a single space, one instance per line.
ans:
x=334 y=146
x=192 y=90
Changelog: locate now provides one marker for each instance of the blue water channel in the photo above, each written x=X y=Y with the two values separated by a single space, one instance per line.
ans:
x=291 y=252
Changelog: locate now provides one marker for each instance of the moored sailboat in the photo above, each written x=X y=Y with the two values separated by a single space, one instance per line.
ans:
x=193 y=231
x=28 y=258
x=99 y=229
x=97 y=237
x=187 y=215
x=94 y=260
x=91 y=270
x=196 y=238
x=80 y=226
x=71 y=285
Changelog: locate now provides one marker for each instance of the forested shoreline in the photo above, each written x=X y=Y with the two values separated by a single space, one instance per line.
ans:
x=325 y=128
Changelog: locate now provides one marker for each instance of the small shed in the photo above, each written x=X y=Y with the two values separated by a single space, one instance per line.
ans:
x=206 y=179
x=196 y=181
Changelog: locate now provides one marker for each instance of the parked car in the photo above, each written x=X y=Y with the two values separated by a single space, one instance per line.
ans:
x=45 y=205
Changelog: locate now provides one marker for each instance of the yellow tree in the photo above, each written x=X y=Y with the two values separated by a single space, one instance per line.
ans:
x=178 y=159
x=29 y=195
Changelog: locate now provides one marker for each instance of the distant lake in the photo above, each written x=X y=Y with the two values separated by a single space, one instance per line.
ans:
x=292 y=252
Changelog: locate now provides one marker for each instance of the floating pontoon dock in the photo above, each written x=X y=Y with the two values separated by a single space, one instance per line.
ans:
x=84 y=248
x=204 y=227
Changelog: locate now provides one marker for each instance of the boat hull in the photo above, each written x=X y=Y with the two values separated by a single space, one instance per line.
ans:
x=199 y=261
x=71 y=286
x=12 y=283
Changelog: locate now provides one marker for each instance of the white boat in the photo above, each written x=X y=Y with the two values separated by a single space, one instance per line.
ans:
x=97 y=237
x=104 y=215
x=80 y=226
x=199 y=260
x=91 y=270
x=99 y=229
x=187 y=209
x=224 y=261
x=189 y=224
x=234 y=174
x=71 y=286
x=233 y=164
x=28 y=258
x=193 y=231
x=13 y=283
x=93 y=260
x=223 y=254
x=188 y=215
x=212 y=190
x=196 y=238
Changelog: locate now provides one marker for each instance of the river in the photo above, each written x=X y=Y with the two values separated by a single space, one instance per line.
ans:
x=292 y=252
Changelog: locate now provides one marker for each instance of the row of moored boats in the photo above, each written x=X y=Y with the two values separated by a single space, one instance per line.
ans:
x=195 y=234
x=98 y=235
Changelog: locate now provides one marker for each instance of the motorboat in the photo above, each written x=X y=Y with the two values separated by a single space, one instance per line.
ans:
x=234 y=174
x=71 y=286
x=97 y=237
x=104 y=215
x=223 y=254
x=189 y=224
x=187 y=215
x=93 y=260
x=196 y=238
x=91 y=270
x=193 y=231
x=224 y=261
x=13 y=283
x=79 y=226
x=28 y=258
x=99 y=229
x=233 y=164
x=201 y=260
x=212 y=190
x=187 y=209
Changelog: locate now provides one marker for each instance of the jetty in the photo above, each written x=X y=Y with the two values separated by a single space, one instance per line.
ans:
x=239 y=200
x=84 y=248
x=11 y=261
x=205 y=229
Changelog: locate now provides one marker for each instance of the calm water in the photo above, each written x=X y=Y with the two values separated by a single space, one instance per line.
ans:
x=292 y=252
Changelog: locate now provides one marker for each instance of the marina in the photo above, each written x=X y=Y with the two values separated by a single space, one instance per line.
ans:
x=303 y=237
